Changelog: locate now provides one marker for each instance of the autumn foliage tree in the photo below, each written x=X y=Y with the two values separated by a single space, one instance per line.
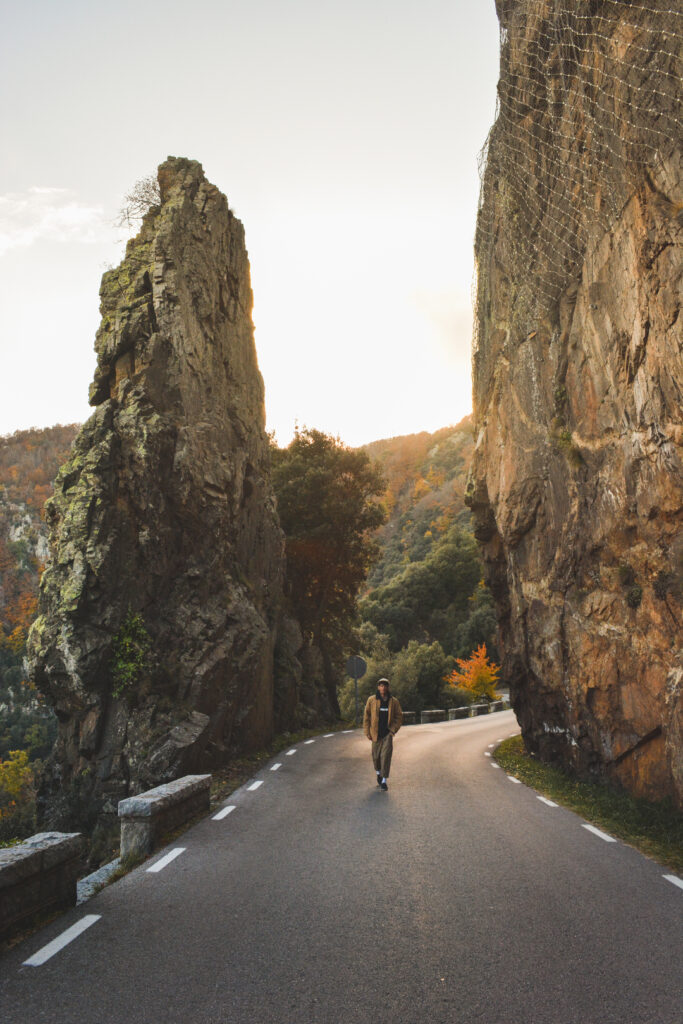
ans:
x=477 y=674
x=17 y=796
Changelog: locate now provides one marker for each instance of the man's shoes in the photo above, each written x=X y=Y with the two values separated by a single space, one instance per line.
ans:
x=383 y=785
x=379 y=779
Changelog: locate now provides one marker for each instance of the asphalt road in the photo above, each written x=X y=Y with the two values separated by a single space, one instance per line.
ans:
x=458 y=896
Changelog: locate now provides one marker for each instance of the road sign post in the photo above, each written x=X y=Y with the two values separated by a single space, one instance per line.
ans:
x=356 y=668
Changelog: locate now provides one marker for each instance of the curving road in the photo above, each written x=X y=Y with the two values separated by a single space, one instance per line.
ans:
x=457 y=896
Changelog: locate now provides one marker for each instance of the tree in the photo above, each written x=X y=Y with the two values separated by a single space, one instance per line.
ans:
x=431 y=597
x=144 y=194
x=477 y=674
x=17 y=797
x=418 y=673
x=327 y=504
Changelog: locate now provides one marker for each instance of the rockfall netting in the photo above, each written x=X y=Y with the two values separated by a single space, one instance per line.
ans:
x=588 y=103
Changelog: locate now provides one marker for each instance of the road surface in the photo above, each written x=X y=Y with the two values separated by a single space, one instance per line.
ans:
x=458 y=896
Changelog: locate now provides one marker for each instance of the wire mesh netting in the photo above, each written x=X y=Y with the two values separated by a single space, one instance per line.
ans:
x=588 y=101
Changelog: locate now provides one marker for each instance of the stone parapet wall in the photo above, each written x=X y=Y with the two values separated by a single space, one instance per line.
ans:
x=146 y=818
x=38 y=876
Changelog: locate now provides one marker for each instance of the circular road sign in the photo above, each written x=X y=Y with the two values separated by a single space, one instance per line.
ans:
x=356 y=667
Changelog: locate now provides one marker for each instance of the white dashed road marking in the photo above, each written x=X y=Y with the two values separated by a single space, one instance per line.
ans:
x=275 y=767
x=674 y=880
x=327 y=735
x=255 y=785
x=223 y=813
x=513 y=779
x=290 y=752
x=597 y=832
x=491 y=746
x=161 y=864
x=486 y=754
x=61 y=941
x=545 y=800
x=347 y=730
x=308 y=741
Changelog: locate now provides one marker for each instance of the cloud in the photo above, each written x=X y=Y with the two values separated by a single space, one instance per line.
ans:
x=48 y=213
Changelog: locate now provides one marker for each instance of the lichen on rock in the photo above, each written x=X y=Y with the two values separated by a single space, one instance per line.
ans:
x=164 y=512
x=578 y=382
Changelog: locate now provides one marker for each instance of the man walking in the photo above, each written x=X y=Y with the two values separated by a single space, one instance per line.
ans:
x=382 y=720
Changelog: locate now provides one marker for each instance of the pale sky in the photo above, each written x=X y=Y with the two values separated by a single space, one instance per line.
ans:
x=345 y=135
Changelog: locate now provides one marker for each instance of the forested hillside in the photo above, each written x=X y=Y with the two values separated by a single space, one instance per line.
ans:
x=426 y=475
x=29 y=460
x=424 y=605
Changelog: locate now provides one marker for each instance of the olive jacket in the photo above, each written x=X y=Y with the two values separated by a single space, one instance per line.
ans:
x=371 y=717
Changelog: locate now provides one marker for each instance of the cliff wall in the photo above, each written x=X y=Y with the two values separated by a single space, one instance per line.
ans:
x=161 y=606
x=578 y=383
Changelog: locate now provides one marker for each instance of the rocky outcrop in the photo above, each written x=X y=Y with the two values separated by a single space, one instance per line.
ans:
x=577 y=480
x=162 y=604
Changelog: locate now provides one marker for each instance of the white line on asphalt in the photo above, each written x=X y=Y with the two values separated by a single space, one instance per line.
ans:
x=486 y=753
x=275 y=767
x=255 y=785
x=347 y=730
x=61 y=941
x=223 y=813
x=597 y=832
x=167 y=859
x=499 y=740
x=327 y=735
x=493 y=764
x=545 y=800
x=491 y=745
x=675 y=880
x=513 y=779
x=290 y=752
x=308 y=741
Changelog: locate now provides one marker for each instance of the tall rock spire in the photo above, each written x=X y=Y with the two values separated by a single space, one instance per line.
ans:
x=159 y=607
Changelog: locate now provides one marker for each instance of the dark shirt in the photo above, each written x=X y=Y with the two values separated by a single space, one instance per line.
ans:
x=383 y=718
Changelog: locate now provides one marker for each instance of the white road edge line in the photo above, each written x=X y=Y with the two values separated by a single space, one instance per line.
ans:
x=347 y=730
x=61 y=941
x=486 y=753
x=597 y=832
x=290 y=752
x=491 y=746
x=223 y=813
x=544 y=800
x=255 y=785
x=306 y=742
x=513 y=779
x=160 y=864
x=276 y=766
x=327 y=735
x=675 y=880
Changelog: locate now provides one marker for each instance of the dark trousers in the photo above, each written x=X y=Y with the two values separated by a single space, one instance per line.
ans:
x=381 y=754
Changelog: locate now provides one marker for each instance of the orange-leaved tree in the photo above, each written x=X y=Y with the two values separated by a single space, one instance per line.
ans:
x=477 y=674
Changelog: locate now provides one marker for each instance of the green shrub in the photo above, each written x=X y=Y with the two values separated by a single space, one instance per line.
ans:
x=130 y=660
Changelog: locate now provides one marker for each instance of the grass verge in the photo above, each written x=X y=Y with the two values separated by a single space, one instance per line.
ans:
x=656 y=829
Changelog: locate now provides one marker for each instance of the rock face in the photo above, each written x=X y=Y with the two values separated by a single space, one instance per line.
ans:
x=161 y=608
x=577 y=480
